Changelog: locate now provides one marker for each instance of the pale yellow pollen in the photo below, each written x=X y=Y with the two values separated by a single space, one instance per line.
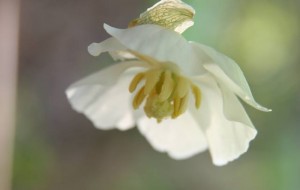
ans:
x=166 y=91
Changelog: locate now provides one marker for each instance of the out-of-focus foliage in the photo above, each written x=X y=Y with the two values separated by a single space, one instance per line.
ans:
x=57 y=148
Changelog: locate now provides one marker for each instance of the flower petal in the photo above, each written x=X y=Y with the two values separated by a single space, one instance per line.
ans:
x=104 y=97
x=233 y=109
x=181 y=137
x=225 y=123
x=229 y=73
x=159 y=43
x=116 y=50
x=110 y=44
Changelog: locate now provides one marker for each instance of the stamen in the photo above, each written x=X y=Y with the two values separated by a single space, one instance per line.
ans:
x=152 y=77
x=167 y=86
x=139 y=98
x=182 y=87
x=197 y=95
x=165 y=90
x=135 y=81
x=176 y=104
x=148 y=105
x=183 y=104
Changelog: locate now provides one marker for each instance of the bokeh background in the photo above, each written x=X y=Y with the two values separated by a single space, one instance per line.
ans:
x=57 y=148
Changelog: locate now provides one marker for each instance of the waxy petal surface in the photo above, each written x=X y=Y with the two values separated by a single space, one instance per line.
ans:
x=228 y=73
x=181 y=138
x=104 y=97
x=161 y=44
x=224 y=121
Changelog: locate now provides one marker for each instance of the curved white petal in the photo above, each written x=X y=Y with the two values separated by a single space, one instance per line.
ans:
x=110 y=44
x=229 y=73
x=116 y=50
x=233 y=109
x=224 y=121
x=104 y=97
x=181 y=137
x=160 y=43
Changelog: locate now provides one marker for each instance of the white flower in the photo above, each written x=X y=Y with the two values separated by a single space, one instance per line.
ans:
x=181 y=95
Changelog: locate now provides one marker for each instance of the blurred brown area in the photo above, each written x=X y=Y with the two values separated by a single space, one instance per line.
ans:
x=9 y=27
x=54 y=37
x=57 y=148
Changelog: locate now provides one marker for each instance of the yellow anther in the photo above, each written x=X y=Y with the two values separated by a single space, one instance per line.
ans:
x=149 y=102
x=166 y=91
x=139 y=98
x=197 y=95
x=167 y=86
x=182 y=87
x=152 y=78
x=183 y=104
x=176 y=104
x=135 y=81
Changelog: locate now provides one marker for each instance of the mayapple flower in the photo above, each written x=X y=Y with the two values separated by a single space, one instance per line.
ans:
x=181 y=95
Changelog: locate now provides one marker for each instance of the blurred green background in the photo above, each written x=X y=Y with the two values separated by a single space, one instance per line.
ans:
x=57 y=148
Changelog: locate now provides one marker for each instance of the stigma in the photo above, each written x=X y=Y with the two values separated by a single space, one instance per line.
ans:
x=163 y=91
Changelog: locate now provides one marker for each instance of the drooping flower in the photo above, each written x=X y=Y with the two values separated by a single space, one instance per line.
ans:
x=182 y=96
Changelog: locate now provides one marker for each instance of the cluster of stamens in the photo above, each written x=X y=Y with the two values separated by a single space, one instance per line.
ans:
x=166 y=91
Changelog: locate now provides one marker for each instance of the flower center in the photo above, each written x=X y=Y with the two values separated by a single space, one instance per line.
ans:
x=165 y=90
